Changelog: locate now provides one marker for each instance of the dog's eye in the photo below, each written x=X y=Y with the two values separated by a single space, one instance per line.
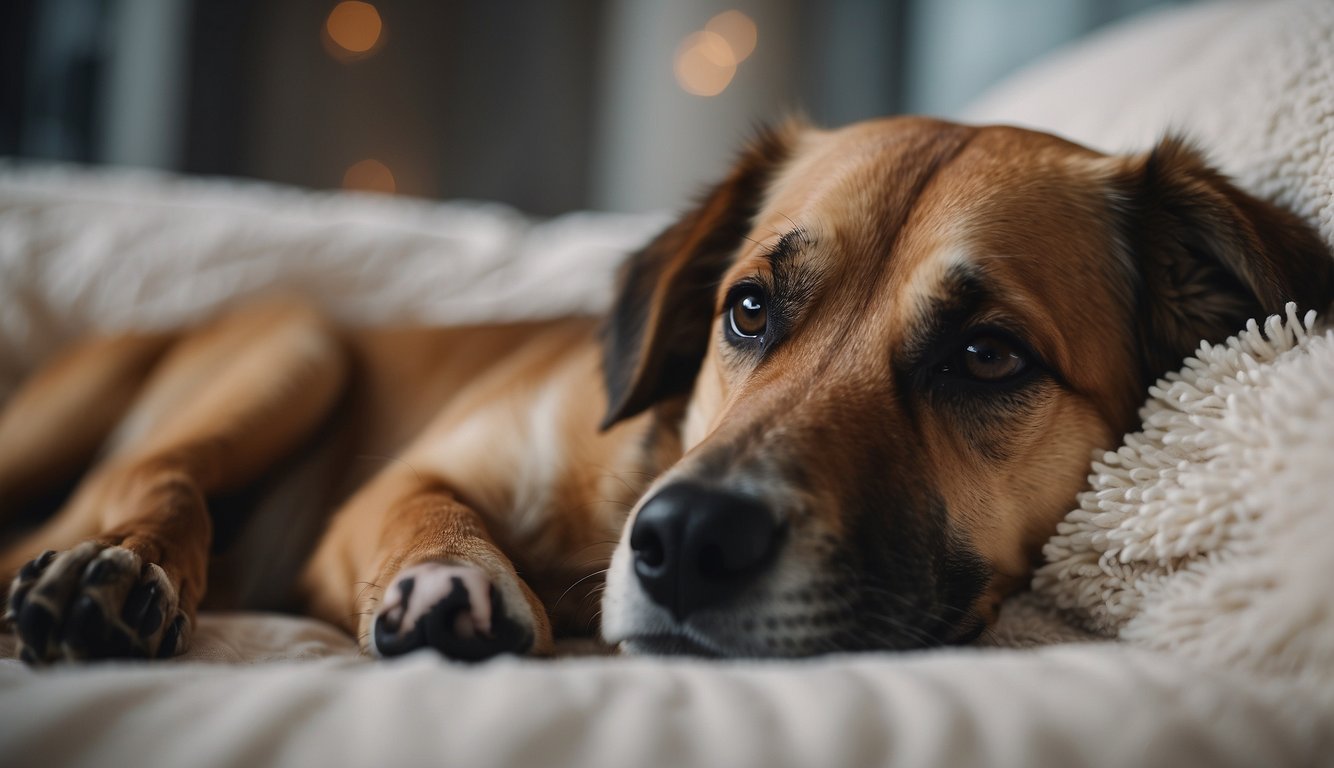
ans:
x=747 y=314
x=989 y=358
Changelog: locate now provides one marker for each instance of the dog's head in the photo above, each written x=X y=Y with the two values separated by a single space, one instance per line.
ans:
x=893 y=349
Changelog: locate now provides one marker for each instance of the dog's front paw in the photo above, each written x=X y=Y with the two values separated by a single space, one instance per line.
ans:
x=95 y=601
x=453 y=608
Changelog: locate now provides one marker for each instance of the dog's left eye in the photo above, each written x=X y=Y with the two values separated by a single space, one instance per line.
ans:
x=747 y=315
x=988 y=358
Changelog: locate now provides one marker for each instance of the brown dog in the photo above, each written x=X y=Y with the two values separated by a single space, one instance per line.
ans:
x=847 y=398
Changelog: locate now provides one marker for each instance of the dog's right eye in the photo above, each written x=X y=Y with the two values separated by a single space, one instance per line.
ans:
x=747 y=313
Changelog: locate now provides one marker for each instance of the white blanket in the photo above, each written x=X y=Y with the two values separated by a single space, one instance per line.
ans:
x=83 y=251
x=79 y=251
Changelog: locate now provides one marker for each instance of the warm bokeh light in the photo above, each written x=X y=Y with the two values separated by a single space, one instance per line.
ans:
x=354 y=26
x=705 y=63
x=738 y=30
x=369 y=176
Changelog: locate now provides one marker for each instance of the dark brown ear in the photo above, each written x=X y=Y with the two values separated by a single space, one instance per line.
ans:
x=1211 y=256
x=655 y=336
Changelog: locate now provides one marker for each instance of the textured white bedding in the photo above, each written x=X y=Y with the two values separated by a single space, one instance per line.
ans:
x=1064 y=706
x=79 y=251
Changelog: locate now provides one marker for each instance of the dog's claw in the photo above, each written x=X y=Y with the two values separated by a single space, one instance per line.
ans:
x=167 y=648
x=23 y=584
x=100 y=572
x=33 y=568
x=34 y=627
x=141 y=609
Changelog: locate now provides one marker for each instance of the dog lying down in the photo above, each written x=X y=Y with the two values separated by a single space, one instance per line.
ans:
x=837 y=406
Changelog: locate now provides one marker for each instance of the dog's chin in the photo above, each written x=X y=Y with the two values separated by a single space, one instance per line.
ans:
x=691 y=640
x=672 y=644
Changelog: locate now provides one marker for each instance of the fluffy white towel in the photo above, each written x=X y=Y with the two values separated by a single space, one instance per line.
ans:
x=1209 y=531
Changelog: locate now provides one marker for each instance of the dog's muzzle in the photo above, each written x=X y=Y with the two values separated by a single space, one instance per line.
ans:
x=694 y=547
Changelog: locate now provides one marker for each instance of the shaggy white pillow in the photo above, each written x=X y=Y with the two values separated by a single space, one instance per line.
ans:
x=1209 y=531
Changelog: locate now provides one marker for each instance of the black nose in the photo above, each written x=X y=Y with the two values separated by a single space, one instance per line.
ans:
x=695 y=546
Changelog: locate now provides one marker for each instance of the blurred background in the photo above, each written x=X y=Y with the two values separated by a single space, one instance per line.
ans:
x=548 y=105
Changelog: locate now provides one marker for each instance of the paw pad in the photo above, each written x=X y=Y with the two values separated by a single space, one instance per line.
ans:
x=452 y=608
x=94 y=601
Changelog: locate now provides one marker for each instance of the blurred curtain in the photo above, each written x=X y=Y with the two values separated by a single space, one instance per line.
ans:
x=549 y=105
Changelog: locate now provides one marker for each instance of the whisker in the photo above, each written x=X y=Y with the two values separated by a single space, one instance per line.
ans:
x=594 y=561
x=615 y=474
x=873 y=626
x=593 y=594
x=361 y=594
x=575 y=584
x=602 y=543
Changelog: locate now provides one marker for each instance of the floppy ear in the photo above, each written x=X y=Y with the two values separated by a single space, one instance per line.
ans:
x=656 y=334
x=1211 y=256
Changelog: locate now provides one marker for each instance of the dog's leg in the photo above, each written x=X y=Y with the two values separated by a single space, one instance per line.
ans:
x=125 y=561
x=406 y=564
x=53 y=425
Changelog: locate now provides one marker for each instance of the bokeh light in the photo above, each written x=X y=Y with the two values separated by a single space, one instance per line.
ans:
x=354 y=28
x=369 y=176
x=738 y=30
x=707 y=60
x=705 y=63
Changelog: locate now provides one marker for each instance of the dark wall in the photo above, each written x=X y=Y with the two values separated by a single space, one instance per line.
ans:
x=51 y=57
x=475 y=100
x=15 y=23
